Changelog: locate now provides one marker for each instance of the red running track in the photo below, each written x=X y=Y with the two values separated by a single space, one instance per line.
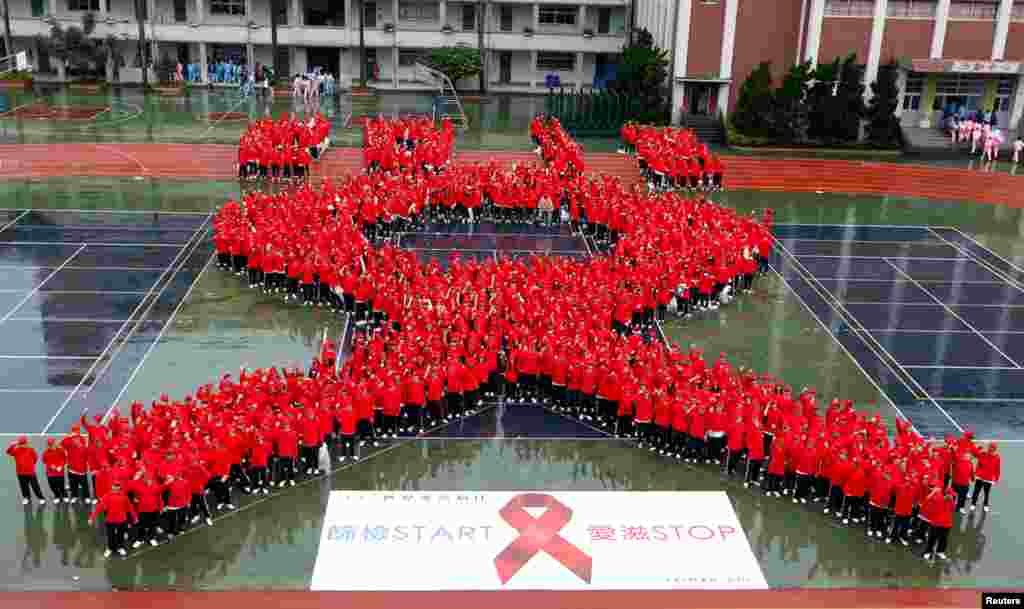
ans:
x=742 y=173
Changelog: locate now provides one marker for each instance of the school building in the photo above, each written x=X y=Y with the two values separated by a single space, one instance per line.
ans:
x=523 y=42
x=965 y=52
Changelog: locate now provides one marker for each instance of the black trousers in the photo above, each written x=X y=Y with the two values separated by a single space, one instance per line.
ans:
x=221 y=490
x=803 y=486
x=979 y=486
x=259 y=476
x=198 y=506
x=116 y=535
x=961 y=495
x=146 y=529
x=348 y=445
x=900 y=527
x=938 y=537
x=57 y=486
x=79 y=486
x=29 y=484
x=753 y=469
x=174 y=520
x=879 y=518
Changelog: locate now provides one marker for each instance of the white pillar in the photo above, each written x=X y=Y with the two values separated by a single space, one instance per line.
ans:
x=939 y=34
x=248 y=10
x=728 y=50
x=536 y=20
x=204 y=74
x=394 y=59
x=535 y=75
x=394 y=17
x=53 y=7
x=875 y=46
x=582 y=25
x=901 y=86
x=200 y=11
x=442 y=13
x=1002 y=29
x=579 y=70
x=800 y=35
x=814 y=22
x=1018 y=106
x=250 y=55
x=295 y=19
x=343 y=77
x=681 y=47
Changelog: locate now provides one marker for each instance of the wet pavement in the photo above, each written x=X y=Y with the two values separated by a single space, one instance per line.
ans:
x=272 y=542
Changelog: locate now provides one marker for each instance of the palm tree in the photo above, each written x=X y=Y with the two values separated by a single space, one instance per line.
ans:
x=74 y=47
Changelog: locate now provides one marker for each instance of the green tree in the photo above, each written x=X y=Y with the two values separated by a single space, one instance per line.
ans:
x=790 y=118
x=642 y=74
x=755 y=103
x=455 y=62
x=850 y=100
x=883 y=124
x=74 y=47
x=821 y=101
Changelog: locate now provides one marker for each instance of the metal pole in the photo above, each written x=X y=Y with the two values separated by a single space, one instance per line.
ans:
x=8 y=44
x=362 y=44
x=482 y=20
x=141 y=13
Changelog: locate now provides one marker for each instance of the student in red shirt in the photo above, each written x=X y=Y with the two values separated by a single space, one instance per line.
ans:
x=179 y=496
x=755 y=451
x=776 y=468
x=77 y=450
x=117 y=509
x=989 y=470
x=880 y=493
x=940 y=505
x=25 y=459
x=55 y=461
x=962 y=478
x=149 y=503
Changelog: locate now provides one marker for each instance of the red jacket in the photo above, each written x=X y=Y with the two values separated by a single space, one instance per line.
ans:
x=857 y=484
x=755 y=443
x=906 y=497
x=25 y=459
x=989 y=466
x=807 y=462
x=880 y=492
x=777 y=466
x=78 y=454
x=55 y=460
x=198 y=477
x=179 y=493
x=963 y=471
x=148 y=497
x=117 y=508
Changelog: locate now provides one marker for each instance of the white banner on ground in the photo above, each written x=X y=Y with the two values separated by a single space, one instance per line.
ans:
x=534 y=540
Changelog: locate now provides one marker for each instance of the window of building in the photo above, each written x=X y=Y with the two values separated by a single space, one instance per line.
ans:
x=84 y=5
x=558 y=15
x=962 y=90
x=407 y=57
x=507 y=18
x=1017 y=12
x=556 y=62
x=912 y=93
x=227 y=7
x=419 y=11
x=973 y=9
x=849 y=8
x=911 y=8
x=1004 y=93
x=468 y=17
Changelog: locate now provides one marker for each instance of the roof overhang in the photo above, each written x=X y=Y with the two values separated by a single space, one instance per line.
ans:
x=963 y=66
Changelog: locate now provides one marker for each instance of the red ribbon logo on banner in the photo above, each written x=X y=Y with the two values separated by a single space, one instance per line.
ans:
x=539 y=535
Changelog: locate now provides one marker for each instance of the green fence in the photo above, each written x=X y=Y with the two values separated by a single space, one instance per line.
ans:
x=591 y=113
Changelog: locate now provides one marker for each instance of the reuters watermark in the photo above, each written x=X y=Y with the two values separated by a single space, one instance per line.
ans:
x=994 y=600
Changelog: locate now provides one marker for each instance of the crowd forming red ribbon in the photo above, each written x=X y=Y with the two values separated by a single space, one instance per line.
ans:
x=572 y=334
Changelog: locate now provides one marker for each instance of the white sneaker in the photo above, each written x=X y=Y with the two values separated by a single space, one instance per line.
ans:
x=154 y=542
x=795 y=500
x=25 y=502
x=220 y=506
x=942 y=556
x=986 y=508
x=290 y=482
x=74 y=500
x=974 y=507
x=231 y=506
x=927 y=556
x=138 y=542
x=42 y=502
x=107 y=553
x=209 y=522
x=122 y=552
x=195 y=519
x=846 y=521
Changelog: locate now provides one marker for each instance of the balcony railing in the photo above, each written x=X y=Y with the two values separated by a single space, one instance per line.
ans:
x=911 y=8
x=849 y=8
x=973 y=10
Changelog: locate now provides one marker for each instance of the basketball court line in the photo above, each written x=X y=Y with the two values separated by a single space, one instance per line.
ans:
x=48 y=357
x=930 y=304
x=911 y=331
x=930 y=243
x=955 y=315
x=159 y=337
x=835 y=338
x=875 y=280
x=144 y=317
x=72 y=267
x=41 y=284
x=1006 y=278
x=920 y=226
x=15 y=220
x=111 y=212
x=868 y=339
x=70 y=319
x=926 y=367
x=93 y=292
x=852 y=257
x=92 y=243
x=121 y=153
x=982 y=246
x=189 y=247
